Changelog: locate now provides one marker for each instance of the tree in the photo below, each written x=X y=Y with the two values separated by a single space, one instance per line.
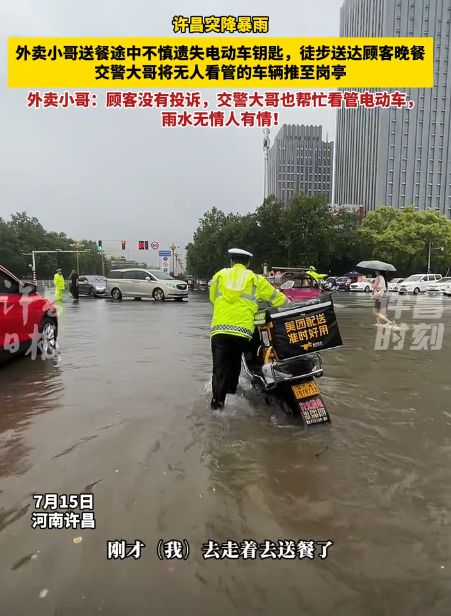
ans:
x=258 y=232
x=304 y=232
x=268 y=242
x=204 y=253
x=307 y=232
x=346 y=244
x=20 y=234
x=23 y=233
x=402 y=237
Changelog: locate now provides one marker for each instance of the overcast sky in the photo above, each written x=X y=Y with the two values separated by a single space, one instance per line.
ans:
x=120 y=175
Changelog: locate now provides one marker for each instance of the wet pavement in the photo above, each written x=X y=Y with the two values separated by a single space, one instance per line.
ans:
x=124 y=415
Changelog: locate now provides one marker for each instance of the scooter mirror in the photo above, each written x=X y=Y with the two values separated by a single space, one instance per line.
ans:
x=289 y=284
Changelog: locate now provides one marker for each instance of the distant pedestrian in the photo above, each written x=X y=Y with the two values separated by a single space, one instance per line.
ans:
x=380 y=299
x=73 y=288
x=59 y=284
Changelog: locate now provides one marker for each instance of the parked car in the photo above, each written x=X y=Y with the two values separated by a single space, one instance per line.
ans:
x=364 y=285
x=447 y=289
x=93 y=286
x=354 y=276
x=28 y=321
x=139 y=283
x=418 y=283
x=394 y=283
x=343 y=283
x=437 y=288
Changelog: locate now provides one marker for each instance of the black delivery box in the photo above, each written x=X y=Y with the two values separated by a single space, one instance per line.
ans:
x=304 y=327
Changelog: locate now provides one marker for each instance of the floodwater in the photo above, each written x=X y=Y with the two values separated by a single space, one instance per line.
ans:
x=124 y=415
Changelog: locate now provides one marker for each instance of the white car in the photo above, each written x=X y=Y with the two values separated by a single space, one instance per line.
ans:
x=447 y=289
x=436 y=288
x=364 y=285
x=393 y=285
x=139 y=283
x=418 y=283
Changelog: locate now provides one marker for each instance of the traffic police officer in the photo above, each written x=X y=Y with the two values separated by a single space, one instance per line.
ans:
x=59 y=283
x=235 y=293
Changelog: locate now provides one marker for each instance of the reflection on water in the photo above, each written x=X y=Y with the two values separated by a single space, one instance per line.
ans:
x=27 y=388
x=125 y=414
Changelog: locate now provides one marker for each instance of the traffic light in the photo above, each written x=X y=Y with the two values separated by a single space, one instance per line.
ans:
x=146 y=245
x=123 y=243
x=141 y=245
x=100 y=246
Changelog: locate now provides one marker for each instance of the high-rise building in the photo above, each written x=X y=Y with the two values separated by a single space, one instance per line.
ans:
x=299 y=161
x=398 y=157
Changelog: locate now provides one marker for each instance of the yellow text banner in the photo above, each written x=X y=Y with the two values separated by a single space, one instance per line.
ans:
x=221 y=62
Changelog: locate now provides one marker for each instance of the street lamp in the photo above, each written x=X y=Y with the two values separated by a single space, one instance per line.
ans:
x=173 y=248
x=33 y=268
x=266 y=146
x=431 y=248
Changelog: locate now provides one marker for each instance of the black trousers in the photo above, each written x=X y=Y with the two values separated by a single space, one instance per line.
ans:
x=226 y=350
x=74 y=290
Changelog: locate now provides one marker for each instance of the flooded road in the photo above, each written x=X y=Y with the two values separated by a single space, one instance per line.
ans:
x=124 y=415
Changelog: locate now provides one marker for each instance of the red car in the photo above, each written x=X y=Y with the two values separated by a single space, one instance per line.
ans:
x=299 y=286
x=28 y=321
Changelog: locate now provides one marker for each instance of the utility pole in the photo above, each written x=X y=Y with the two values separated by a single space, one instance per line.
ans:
x=266 y=145
x=33 y=268
x=80 y=246
x=33 y=265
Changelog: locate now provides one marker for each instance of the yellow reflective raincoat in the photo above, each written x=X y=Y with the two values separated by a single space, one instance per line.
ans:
x=235 y=293
x=314 y=274
x=60 y=284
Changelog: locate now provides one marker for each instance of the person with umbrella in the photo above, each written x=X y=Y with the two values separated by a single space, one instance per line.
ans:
x=380 y=299
x=379 y=290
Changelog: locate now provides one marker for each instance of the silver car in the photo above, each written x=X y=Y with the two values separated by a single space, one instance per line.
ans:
x=139 y=283
x=94 y=286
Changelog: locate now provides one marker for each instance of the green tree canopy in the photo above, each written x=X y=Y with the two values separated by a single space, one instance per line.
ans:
x=304 y=232
x=22 y=234
x=402 y=237
x=307 y=232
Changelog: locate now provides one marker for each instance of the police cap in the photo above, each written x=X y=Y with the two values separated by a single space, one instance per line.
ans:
x=239 y=252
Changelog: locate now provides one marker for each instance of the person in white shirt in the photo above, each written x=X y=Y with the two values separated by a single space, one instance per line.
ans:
x=380 y=300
